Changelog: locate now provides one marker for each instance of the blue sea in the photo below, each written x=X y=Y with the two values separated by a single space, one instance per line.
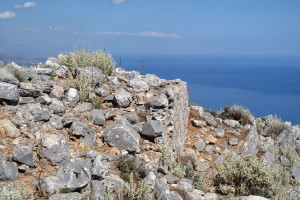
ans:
x=263 y=84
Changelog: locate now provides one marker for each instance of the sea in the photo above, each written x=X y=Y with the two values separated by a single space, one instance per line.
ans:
x=263 y=84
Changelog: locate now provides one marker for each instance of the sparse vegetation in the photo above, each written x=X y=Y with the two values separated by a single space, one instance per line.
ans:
x=276 y=127
x=238 y=113
x=83 y=85
x=126 y=168
x=18 y=192
x=83 y=58
x=249 y=176
x=19 y=75
x=97 y=103
x=52 y=78
x=213 y=112
x=259 y=125
x=290 y=153
x=139 y=191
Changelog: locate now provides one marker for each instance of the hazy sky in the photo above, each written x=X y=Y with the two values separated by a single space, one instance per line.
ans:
x=209 y=27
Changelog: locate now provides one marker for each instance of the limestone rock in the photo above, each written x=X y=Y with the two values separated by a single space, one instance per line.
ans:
x=9 y=128
x=101 y=166
x=153 y=128
x=219 y=132
x=62 y=71
x=122 y=98
x=8 y=77
x=24 y=155
x=79 y=129
x=122 y=135
x=72 y=97
x=160 y=101
x=9 y=93
x=97 y=117
x=29 y=90
x=41 y=114
x=8 y=171
x=138 y=85
x=92 y=73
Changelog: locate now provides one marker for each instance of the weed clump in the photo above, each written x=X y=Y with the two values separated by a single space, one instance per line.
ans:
x=213 y=112
x=249 y=176
x=83 y=85
x=127 y=167
x=19 y=75
x=83 y=58
x=97 y=103
x=276 y=127
x=238 y=113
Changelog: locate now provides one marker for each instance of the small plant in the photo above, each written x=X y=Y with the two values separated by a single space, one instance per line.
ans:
x=18 y=192
x=249 y=176
x=276 y=127
x=259 y=125
x=83 y=58
x=238 y=113
x=139 y=191
x=19 y=75
x=83 y=85
x=88 y=197
x=290 y=153
x=126 y=168
x=97 y=103
x=52 y=78
x=213 y=112
x=193 y=104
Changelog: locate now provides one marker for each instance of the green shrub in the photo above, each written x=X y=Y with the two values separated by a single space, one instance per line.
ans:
x=249 y=176
x=97 y=103
x=19 y=75
x=139 y=191
x=213 y=112
x=83 y=58
x=276 y=127
x=290 y=153
x=88 y=197
x=127 y=167
x=83 y=85
x=238 y=113
x=18 y=192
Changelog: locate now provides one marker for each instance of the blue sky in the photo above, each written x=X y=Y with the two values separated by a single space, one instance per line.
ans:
x=207 y=27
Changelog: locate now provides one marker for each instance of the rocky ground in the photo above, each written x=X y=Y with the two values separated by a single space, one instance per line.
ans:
x=61 y=146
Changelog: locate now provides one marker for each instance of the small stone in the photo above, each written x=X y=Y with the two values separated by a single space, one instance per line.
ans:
x=171 y=178
x=9 y=128
x=24 y=155
x=233 y=141
x=211 y=139
x=153 y=128
x=200 y=146
x=219 y=132
x=79 y=129
x=199 y=123
x=209 y=149
x=97 y=117
x=122 y=98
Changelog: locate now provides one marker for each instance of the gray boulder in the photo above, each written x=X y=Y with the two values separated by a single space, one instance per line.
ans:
x=252 y=144
x=163 y=191
x=56 y=154
x=219 y=132
x=97 y=117
x=138 y=85
x=122 y=135
x=233 y=141
x=101 y=166
x=93 y=73
x=8 y=171
x=23 y=154
x=72 y=97
x=200 y=146
x=8 y=77
x=40 y=70
x=81 y=108
x=62 y=71
x=122 y=98
x=210 y=119
x=46 y=86
x=110 y=184
x=29 y=90
x=9 y=93
x=160 y=101
x=58 y=108
x=153 y=129
x=79 y=129
x=45 y=99
x=232 y=123
x=295 y=171
x=41 y=114
x=78 y=165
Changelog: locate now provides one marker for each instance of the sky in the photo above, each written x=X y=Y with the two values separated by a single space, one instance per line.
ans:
x=43 y=28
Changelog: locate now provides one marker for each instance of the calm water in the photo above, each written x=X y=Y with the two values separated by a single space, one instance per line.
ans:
x=265 y=85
